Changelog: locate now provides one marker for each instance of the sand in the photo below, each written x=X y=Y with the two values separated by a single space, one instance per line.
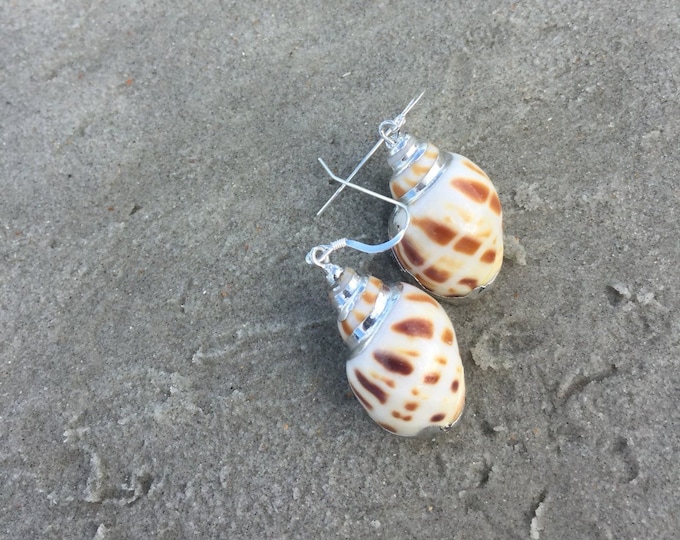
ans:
x=170 y=366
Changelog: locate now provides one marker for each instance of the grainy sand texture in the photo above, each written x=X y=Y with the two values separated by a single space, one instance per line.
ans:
x=171 y=368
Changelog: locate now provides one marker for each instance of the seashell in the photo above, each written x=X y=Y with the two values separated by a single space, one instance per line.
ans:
x=453 y=246
x=404 y=365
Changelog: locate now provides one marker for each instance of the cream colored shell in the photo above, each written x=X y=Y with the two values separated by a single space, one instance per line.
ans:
x=454 y=243
x=409 y=375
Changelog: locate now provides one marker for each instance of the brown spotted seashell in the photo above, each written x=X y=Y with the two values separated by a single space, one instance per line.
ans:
x=404 y=367
x=453 y=246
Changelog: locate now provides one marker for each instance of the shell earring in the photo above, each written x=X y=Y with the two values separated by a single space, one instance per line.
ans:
x=454 y=244
x=404 y=366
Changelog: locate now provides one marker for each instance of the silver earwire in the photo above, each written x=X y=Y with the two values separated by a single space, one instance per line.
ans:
x=319 y=255
x=377 y=248
x=386 y=130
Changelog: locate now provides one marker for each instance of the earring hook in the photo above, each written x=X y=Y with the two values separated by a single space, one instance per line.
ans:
x=387 y=129
x=319 y=255
x=361 y=246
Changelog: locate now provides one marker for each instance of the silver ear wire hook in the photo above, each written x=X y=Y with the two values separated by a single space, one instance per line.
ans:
x=319 y=255
x=361 y=246
x=387 y=130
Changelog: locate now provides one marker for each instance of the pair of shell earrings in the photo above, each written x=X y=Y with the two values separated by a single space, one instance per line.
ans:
x=446 y=233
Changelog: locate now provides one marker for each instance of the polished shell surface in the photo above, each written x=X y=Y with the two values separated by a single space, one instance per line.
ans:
x=454 y=243
x=409 y=375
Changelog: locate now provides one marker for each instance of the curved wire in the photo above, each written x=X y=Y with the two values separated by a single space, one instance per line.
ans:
x=386 y=130
x=361 y=246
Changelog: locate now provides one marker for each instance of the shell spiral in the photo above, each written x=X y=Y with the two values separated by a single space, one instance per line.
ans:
x=404 y=367
x=454 y=244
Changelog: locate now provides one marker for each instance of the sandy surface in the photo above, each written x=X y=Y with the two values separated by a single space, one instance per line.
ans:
x=170 y=366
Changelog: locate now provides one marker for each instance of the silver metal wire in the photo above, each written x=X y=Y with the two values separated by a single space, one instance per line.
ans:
x=320 y=255
x=387 y=130
x=368 y=248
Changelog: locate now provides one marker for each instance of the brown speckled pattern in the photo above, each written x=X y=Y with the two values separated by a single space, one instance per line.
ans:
x=455 y=240
x=362 y=309
x=409 y=376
